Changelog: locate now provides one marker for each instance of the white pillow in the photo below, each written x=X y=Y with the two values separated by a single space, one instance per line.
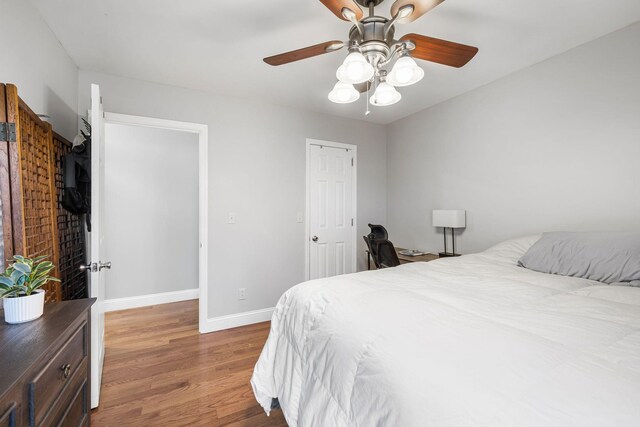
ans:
x=512 y=250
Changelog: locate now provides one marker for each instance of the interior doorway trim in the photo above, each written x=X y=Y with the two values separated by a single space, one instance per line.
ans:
x=354 y=203
x=203 y=193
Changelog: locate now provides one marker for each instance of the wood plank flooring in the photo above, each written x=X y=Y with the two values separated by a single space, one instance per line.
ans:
x=159 y=371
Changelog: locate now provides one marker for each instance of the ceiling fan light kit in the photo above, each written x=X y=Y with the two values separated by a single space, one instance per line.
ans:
x=343 y=93
x=355 y=69
x=385 y=95
x=405 y=72
x=373 y=50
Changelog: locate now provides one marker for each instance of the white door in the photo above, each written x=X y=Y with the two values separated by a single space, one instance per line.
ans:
x=98 y=264
x=331 y=211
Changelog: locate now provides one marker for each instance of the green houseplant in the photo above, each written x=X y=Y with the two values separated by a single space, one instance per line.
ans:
x=20 y=287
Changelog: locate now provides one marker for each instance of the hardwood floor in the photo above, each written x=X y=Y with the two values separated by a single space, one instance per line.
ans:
x=159 y=371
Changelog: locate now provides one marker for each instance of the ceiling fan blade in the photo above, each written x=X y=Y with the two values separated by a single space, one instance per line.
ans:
x=336 y=7
x=440 y=51
x=420 y=7
x=305 y=52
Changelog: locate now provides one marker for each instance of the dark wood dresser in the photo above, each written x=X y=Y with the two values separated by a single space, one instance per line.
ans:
x=44 y=368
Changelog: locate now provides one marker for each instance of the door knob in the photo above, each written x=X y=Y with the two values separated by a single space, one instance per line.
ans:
x=92 y=266
x=106 y=265
x=314 y=238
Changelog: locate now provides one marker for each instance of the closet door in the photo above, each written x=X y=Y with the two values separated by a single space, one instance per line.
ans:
x=331 y=211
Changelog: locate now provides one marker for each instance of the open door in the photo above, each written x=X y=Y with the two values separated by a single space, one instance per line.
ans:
x=98 y=264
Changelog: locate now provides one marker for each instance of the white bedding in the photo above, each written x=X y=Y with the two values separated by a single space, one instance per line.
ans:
x=470 y=341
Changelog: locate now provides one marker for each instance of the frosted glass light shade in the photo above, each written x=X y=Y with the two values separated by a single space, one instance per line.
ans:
x=450 y=218
x=343 y=93
x=384 y=95
x=405 y=72
x=355 y=69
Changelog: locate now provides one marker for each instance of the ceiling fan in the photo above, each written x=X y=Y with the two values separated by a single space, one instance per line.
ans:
x=373 y=48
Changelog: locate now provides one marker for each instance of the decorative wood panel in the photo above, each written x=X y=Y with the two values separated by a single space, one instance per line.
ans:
x=70 y=232
x=5 y=194
x=31 y=187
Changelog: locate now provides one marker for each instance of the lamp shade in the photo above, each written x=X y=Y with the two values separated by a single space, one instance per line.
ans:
x=355 y=69
x=384 y=95
x=405 y=72
x=450 y=218
x=343 y=93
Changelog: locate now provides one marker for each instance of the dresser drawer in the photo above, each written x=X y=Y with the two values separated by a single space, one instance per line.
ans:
x=8 y=416
x=51 y=381
x=77 y=412
x=72 y=409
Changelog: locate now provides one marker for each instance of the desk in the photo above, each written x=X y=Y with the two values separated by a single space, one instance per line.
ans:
x=420 y=258
x=404 y=259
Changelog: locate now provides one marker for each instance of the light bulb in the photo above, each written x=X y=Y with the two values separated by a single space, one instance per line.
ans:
x=384 y=95
x=405 y=72
x=355 y=69
x=343 y=93
x=404 y=75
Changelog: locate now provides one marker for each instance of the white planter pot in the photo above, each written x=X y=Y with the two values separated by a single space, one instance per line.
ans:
x=24 y=309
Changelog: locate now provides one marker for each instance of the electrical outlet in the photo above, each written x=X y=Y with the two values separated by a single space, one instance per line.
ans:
x=299 y=217
x=242 y=293
x=232 y=218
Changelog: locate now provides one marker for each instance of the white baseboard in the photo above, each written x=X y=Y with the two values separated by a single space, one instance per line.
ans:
x=152 y=299
x=239 y=319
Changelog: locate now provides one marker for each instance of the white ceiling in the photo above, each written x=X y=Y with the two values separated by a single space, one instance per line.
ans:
x=218 y=46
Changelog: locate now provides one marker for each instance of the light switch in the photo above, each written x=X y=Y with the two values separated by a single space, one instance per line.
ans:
x=299 y=217
x=232 y=218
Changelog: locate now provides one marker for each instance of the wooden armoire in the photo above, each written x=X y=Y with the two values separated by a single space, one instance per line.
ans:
x=33 y=221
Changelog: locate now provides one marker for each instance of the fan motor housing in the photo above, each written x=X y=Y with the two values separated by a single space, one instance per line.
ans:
x=372 y=43
x=365 y=3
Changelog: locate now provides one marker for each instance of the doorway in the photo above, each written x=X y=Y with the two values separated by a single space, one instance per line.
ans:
x=331 y=209
x=156 y=203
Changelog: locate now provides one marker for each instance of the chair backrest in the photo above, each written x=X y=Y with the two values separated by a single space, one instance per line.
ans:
x=372 y=250
x=378 y=232
x=386 y=254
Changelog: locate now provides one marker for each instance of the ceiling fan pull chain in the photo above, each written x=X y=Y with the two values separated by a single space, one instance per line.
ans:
x=375 y=86
x=366 y=101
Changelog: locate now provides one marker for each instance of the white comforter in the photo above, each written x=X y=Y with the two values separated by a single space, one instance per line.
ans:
x=471 y=341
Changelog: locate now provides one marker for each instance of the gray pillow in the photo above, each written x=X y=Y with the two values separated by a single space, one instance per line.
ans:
x=633 y=283
x=605 y=257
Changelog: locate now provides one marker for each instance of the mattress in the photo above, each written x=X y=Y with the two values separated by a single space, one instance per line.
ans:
x=468 y=341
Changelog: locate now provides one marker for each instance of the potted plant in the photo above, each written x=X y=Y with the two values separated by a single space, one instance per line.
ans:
x=20 y=288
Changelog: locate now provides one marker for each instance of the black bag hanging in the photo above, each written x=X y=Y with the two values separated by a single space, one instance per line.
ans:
x=76 y=167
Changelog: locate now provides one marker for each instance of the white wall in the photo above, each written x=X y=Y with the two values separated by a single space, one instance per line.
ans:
x=552 y=147
x=34 y=60
x=151 y=210
x=257 y=171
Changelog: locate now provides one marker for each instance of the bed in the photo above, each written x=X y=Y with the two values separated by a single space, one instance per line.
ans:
x=469 y=341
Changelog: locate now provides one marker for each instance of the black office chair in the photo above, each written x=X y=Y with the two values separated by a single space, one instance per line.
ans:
x=386 y=254
x=378 y=232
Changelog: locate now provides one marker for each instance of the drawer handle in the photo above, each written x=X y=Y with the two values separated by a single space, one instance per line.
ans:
x=66 y=370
